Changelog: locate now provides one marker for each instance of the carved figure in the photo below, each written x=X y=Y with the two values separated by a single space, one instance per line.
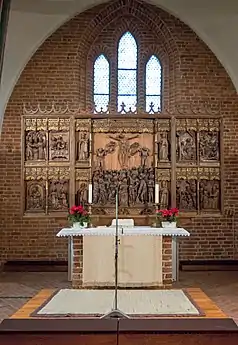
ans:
x=164 y=195
x=163 y=147
x=187 y=195
x=209 y=146
x=100 y=158
x=58 y=195
x=35 y=199
x=135 y=186
x=151 y=189
x=186 y=146
x=83 y=147
x=123 y=193
x=59 y=149
x=144 y=154
x=82 y=194
x=35 y=146
x=209 y=195
x=125 y=150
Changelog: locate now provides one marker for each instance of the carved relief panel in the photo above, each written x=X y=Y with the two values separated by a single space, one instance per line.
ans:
x=35 y=190
x=164 y=180
x=210 y=189
x=186 y=189
x=123 y=162
x=58 y=185
x=209 y=145
x=186 y=141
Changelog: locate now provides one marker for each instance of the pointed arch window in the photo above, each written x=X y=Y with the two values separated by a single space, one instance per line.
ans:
x=153 y=84
x=101 y=87
x=127 y=72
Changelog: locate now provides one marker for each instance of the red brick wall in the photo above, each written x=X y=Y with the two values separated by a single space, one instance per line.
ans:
x=61 y=71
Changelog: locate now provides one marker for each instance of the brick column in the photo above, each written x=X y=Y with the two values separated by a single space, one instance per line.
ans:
x=167 y=261
x=77 y=278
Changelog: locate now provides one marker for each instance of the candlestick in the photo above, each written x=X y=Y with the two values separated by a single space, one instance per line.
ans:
x=157 y=193
x=90 y=193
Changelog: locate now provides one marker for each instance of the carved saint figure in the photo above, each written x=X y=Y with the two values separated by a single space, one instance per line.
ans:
x=163 y=147
x=123 y=193
x=83 y=147
x=151 y=189
x=186 y=146
x=164 y=195
x=59 y=148
x=209 y=145
x=35 y=146
x=100 y=158
x=125 y=150
x=209 y=195
x=58 y=195
x=35 y=197
x=82 y=194
x=144 y=154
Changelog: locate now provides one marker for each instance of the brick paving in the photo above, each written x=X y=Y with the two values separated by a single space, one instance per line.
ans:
x=17 y=288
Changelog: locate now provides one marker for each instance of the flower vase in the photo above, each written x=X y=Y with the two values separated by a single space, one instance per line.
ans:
x=77 y=225
x=171 y=225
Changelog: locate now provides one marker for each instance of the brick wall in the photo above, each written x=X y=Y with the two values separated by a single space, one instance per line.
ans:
x=61 y=71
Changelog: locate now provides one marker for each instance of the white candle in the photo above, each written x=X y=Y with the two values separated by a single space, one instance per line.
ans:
x=157 y=193
x=90 y=136
x=90 y=193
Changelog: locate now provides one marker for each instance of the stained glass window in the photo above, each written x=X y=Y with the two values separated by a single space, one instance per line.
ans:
x=101 y=83
x=127 y=72
x=153 y=83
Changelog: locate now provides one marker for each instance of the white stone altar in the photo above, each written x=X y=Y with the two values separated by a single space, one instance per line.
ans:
x=147 y=256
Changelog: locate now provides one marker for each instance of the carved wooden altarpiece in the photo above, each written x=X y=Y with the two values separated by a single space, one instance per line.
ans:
x=65 y=151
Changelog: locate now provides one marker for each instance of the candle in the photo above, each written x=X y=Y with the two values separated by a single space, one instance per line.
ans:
x=157 y=193
x=90 y=136
x=90 y=193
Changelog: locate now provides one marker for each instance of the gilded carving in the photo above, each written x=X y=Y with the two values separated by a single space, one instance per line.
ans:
x=126 y=126
x=83 y=125
x=58 y=124
x=35 y=124
x=35 y=174
x=35 y=146
x=58 y=173
x=82 y=174
x=59 y=146
x=162 y=125
x=58 y=195
x=163 y=174
x=209 y=173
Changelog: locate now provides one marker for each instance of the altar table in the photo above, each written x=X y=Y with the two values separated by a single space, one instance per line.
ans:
x=148 y=257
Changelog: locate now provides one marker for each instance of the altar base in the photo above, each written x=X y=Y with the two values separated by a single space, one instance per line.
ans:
x=211 y=328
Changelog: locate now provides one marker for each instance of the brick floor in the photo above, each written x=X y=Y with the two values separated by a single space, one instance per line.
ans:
x=17 y=288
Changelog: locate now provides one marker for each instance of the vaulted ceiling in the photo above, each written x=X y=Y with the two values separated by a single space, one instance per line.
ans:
x=31 y=22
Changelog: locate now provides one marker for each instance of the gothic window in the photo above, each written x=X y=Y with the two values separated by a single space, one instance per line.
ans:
x=127 y=72
x=153 y=83
x=101 y=83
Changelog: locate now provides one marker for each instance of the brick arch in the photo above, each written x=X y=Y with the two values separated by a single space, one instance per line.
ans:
x=129 y=10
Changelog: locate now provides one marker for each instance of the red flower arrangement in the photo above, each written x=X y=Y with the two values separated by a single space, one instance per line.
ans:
x=78 y=214
x=168 y=215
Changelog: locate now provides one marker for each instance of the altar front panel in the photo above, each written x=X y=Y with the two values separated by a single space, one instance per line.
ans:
x=139 y=261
